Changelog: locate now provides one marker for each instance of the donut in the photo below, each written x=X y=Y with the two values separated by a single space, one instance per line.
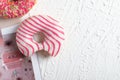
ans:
x=15 y=8
x=50 y=31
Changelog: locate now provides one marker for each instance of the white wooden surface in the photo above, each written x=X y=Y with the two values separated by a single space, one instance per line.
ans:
x=91 y=50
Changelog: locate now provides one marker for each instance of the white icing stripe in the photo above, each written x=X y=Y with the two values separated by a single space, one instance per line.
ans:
x=40 y=28
x=51 y=21
x=54 y=35
x=23 y=43
x=26 y=51
x=47 y=27
x=48 y=24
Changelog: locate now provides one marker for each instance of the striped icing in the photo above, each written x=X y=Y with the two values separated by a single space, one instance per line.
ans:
x=54 y=35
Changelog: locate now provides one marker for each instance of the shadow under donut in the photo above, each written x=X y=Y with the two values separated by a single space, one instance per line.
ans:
x=40 y=38
x=43 y=53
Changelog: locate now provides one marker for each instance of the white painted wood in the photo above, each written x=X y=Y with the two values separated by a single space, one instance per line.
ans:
x=91 y=50
x=10 y=29
x=36 y=67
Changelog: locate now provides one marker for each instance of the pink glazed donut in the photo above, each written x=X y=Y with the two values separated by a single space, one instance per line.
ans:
x=52 y=35
x=15 y=8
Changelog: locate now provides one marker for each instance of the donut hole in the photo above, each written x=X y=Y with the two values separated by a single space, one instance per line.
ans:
x=39 y=37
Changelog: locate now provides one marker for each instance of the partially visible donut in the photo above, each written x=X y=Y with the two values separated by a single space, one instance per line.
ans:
x=50 y=31
x=15 y=8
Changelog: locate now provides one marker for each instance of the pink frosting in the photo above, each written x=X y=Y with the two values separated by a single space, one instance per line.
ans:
x=15 y=8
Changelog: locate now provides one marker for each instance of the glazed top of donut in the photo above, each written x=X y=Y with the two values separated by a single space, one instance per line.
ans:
x=15 y=8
